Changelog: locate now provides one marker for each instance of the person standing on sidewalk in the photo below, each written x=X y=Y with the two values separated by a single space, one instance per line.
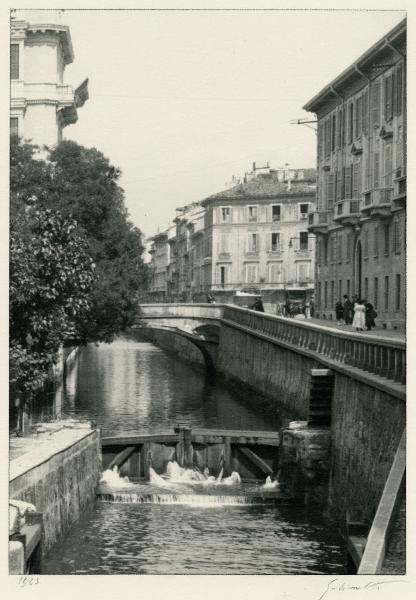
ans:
x=370 y=315
x=348 y=310
x=359 y=315
x=339 y=312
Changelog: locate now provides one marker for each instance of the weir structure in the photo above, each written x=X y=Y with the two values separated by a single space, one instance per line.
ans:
x=351 y=386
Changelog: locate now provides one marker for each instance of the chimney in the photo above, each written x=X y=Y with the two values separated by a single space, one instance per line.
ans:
x=254 y=167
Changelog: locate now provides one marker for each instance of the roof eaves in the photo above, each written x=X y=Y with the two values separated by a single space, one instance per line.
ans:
x=350 y=71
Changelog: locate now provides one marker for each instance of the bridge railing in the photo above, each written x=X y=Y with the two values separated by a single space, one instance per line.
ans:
x=183 y=311
x=380 y=356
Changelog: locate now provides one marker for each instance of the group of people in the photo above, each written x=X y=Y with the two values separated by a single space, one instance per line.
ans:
x=356 y=312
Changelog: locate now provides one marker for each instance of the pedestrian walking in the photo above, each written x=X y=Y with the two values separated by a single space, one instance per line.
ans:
x=348 y=310
x=258 y=305
x=311 y=308
x=288 y=308
x=359 y=316
x=370 y=315
x=339 y=312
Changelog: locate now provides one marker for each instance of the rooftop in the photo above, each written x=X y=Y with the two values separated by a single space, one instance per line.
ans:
x=270 y=185
x=394 y=38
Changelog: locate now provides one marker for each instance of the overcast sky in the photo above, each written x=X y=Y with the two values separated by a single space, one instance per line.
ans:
x=181 y=101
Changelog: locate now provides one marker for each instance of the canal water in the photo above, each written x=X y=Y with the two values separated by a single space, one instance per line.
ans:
x=131 y=386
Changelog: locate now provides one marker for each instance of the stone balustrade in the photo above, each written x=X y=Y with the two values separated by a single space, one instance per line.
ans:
x=383 y=357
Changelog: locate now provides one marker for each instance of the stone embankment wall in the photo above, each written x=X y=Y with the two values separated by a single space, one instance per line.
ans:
x=61 y=484
x=175 y=344
x=366 y=423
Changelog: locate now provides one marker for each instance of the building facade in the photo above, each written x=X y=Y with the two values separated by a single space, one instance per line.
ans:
x=361 y=167
x=256 y=238
x=41 y=104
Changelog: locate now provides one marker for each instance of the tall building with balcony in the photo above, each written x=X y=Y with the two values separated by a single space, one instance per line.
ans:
x=256 y=237
x=189 y=223
x=360 y=215
x=41 y=104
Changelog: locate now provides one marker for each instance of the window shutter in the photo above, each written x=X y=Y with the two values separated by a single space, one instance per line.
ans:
x=339 y=185
x=14 y=127
x=365 y=112
x=231 y=216
x=376 y=175
x=388 y=175
x=355 y=180
x=375 y=104
x=14 y=61
x=320 y=139
x=347 y=182
x=399 y=90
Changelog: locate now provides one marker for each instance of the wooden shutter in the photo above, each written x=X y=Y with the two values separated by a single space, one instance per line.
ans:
x=365 y=112
x=14 y=127
x=320 y=140
x=331 y=190
x=347 y=182
x=388 y=167
x=358 y=117
x=399 y=90
x=376 y=169
x=388 y=98
x=339 y=185
x=14 y=61
x=375 y=104
x=355 y=170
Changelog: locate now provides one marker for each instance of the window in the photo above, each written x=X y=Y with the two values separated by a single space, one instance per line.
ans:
x=350 y=122
x=375 y=104
x=251 y=273
x=14 y=61
x=386 y=238
x=303 y=211
x=388 y=98
x=397 y=240
x=225 y=214
x=398 y=299
x=223 y=275
x=399 y=91
x=348 y=287
x=14 y=127
x=332 y=293
x=330 y=193
x=366 y=288
x=348 y=249
x=325 y=251
x=376 y=165
x=388 y=167
x=365 y=112
x=358 y=117
x=365 y=243
x=252 y=214
x=326 y=294
x=319 y=299
x=333 y=247
x=253 y=242
x=347 y=181
x=356 y=176
x=275 y=273
x=375 y=292
x=333 y=132
x=224 y=243
x=275 y=241
x=339 y=246
x=386 y=292
x=276 y=213
x=303 y=272
x=375 y=240
x=303 y=240
x=340 y=289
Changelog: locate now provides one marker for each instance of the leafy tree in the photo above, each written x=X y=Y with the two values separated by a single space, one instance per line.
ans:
x=67 y=215
x=51 y=277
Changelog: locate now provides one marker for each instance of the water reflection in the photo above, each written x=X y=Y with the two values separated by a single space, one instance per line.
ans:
x=133 y=386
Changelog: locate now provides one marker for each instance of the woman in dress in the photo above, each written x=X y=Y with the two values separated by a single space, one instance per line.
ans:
x=359 y=315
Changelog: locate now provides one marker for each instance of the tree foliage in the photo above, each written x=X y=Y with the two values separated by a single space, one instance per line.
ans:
x=51 y=278
x=75 y=258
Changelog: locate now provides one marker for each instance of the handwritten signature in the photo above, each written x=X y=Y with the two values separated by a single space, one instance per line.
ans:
x=337 y=585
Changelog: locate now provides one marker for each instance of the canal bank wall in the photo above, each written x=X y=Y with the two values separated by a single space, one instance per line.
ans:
x=367 y=419
x=58 y=475
x=275 y=356
x=175 y=344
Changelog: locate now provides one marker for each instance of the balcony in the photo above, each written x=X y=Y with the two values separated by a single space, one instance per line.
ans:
x=377 y=202
x=347 y=212
x=318 y=222
x=399 y=192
